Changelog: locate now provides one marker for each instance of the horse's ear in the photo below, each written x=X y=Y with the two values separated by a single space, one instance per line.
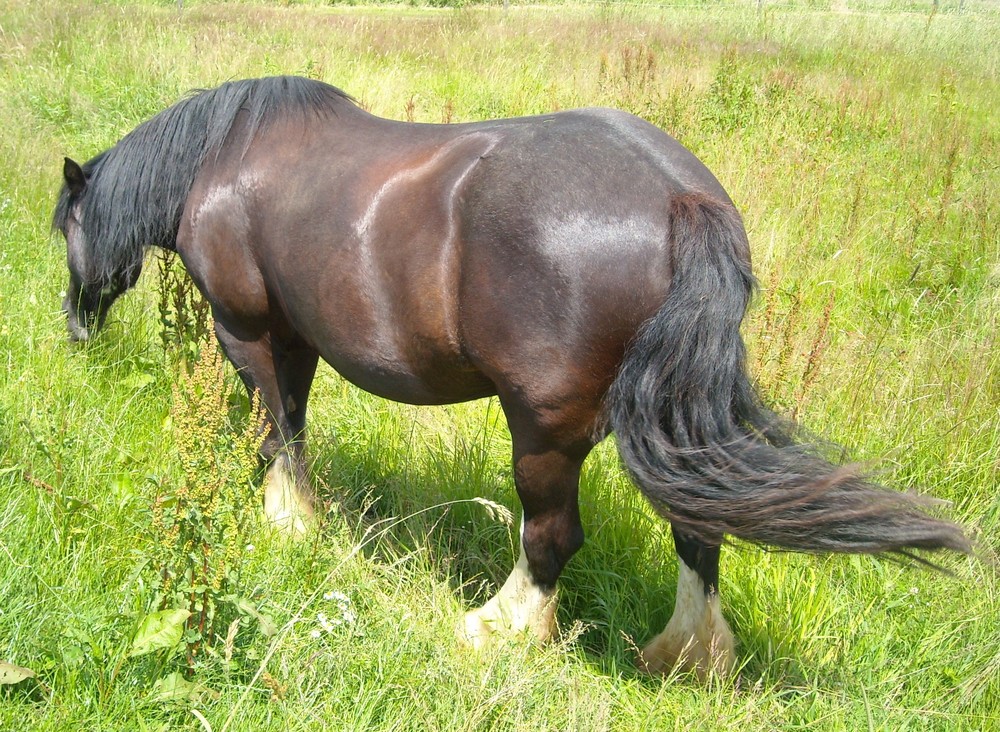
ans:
x=76 y=181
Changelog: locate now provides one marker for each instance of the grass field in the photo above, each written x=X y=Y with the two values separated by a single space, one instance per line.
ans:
x=862 y=148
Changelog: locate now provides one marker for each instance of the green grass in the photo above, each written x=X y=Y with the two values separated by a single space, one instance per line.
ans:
x=862 y=150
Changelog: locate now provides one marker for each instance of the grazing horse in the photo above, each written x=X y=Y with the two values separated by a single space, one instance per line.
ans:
x=582 y=266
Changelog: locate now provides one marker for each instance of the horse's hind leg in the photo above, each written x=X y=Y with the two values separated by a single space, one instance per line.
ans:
x=546 y=474
x=697 y=638
x=283 y=374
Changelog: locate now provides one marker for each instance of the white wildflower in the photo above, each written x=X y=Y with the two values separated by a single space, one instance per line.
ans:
x=344 y=613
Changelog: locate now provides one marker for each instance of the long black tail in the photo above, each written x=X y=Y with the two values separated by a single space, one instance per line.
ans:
x=702 y=447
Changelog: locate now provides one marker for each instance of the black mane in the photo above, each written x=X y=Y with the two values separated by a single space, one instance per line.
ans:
x=136 y=190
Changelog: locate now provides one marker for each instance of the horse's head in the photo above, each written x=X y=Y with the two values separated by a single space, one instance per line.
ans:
x=91 y=291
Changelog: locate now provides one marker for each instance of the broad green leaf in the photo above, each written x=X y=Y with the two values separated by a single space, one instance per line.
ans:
x=138 y=382
x=162 y=629
x=173 y=687
x=265 y=622
x=267 y=625
x=11 y=674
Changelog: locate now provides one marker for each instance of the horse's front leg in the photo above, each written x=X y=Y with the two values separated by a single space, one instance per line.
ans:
x=282 y=373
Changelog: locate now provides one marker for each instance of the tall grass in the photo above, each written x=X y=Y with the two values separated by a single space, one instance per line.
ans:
x=861 y=148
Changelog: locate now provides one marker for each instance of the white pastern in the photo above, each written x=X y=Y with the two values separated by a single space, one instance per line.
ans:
x=697 y=638
x=520 y=606
x=285 y=506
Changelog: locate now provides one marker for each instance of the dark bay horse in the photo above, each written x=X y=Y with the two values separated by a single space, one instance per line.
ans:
x=583 y=266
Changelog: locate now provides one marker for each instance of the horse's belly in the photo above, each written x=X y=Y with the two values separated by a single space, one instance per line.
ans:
x=436 y=380
x=384 y=317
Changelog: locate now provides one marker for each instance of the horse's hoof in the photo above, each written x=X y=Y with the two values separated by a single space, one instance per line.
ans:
x=500 y=619
x=286 y=505
x=473 y=632
x=705 y=656
x=291 y=525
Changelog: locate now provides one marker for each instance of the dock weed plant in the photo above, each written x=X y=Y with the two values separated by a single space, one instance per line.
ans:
x=860 y=142
x=185 y=316
x=202 y=519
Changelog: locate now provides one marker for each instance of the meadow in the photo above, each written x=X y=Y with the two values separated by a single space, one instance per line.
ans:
x=861 y=144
